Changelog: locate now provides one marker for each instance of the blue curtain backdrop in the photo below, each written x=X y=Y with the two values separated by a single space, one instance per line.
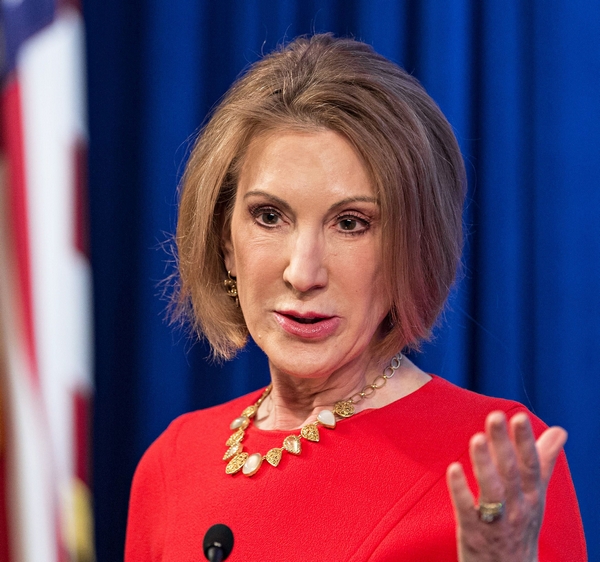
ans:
x=519 y=81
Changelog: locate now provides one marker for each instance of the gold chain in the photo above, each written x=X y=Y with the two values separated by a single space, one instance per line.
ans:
x=370 y=389
x=249 y=464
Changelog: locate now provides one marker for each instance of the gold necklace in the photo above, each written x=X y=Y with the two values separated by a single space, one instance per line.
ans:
x=249 y=464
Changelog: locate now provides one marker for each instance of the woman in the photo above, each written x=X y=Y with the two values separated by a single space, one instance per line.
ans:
x=321 y=215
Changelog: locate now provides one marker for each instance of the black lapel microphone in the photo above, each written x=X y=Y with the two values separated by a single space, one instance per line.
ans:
x=218 y=543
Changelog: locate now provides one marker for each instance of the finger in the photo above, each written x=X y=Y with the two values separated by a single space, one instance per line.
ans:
x=549 y=445
x=491 y=488
x=460 y=494
x=502 y=451
x=528 y=460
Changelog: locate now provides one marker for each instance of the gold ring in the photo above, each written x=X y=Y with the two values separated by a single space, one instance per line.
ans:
x=490 y=512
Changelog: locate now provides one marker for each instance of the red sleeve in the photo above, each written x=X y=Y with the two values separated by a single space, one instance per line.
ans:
x=562 y=538
x=147 y=515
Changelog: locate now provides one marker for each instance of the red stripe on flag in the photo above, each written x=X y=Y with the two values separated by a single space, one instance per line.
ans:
x=12 y=125
x=81 y=427
x=62 y=554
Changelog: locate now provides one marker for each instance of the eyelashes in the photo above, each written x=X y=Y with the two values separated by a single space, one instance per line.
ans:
x=347 y=222
x=353 y=223
x=266 y=216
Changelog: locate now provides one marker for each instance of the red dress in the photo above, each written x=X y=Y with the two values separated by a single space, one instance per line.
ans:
x=373 y=488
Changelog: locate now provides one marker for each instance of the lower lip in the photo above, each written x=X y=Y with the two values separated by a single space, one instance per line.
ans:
x=321 y=329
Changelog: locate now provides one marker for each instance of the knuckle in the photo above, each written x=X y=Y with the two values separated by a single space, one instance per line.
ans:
x=497 y=492
x=531 y=465
x=516 y=518
x=511 y=472
x=536 y=498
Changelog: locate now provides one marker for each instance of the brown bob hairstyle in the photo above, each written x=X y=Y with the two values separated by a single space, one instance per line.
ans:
x=408 y=149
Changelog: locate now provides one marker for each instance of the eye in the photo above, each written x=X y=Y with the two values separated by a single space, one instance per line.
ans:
x=268 y=217
x=352 y=224
x=348 y=224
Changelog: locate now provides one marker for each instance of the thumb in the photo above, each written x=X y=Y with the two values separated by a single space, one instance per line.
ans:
x=549 y=445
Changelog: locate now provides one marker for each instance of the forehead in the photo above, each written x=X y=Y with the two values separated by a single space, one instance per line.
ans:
x=321 y=160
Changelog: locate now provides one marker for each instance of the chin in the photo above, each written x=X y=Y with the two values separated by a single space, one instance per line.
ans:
x=312 y=360
x=303 y=359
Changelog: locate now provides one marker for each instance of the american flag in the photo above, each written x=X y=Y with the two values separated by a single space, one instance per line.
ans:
x=45 y=286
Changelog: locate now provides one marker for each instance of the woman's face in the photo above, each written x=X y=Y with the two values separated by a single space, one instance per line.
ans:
x=305 y=246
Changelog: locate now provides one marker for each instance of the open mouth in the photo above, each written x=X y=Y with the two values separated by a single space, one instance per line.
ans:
x=307 y=320
x=310 y=325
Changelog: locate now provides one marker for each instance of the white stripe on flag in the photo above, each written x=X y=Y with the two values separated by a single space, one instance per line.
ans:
x=30 y=490
x=50 y=74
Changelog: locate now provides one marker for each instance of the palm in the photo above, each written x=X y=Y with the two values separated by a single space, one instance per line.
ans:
x=510 y=467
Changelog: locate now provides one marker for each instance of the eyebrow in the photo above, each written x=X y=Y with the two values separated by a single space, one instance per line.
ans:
x=285 y=205
x=359 y=199
x=258 y=193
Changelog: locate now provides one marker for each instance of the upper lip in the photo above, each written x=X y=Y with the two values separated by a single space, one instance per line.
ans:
x=309 y=314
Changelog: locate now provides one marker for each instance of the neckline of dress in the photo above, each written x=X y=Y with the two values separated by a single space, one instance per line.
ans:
x=358 y=415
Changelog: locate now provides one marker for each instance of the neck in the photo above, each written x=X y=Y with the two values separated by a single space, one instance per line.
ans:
x=294 y=402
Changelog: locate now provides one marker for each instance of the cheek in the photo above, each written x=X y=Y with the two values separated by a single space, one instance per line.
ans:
x=367 y=280
x=361 y=268
x=259 y=268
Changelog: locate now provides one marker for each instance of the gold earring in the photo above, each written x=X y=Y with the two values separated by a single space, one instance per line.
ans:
x=231 y=288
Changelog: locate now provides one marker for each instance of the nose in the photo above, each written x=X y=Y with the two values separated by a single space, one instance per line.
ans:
x=306 y=269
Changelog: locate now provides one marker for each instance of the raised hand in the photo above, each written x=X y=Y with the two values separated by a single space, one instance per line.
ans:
x=512 y=471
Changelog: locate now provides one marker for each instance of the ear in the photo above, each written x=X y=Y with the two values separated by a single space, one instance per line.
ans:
x=227 y=248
